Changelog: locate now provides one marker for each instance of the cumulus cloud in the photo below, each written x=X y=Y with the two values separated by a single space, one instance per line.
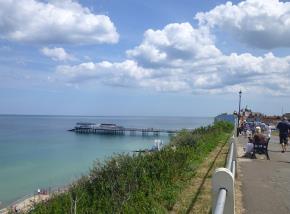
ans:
x=174 y=45
x=57 y=54
x=259 y=23
x=182 y=58
x=54 y=22
x=126 y=73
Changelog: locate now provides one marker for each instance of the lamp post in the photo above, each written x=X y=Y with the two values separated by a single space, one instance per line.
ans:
x=239 y=114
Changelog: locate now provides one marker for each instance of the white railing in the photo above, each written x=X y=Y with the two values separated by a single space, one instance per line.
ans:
x=223 y=183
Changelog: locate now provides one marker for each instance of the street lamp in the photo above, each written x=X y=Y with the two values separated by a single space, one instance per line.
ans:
x=239 y=115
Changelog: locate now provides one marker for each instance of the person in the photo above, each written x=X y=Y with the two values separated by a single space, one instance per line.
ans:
x=260 y=143
x=248 y=133
x=247 y=130
x=259 y=138
x=249 y=147
x=268 y=131
x=283 y=127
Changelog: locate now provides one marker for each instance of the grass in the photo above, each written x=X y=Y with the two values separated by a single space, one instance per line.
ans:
x=275 y=133
x=196 y=195
x=141 y=183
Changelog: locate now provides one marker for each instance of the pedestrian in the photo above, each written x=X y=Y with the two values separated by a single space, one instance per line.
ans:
x=258 y=137
x=283 y=127
x=15 y=209
x=268 y=131
x=249 y=147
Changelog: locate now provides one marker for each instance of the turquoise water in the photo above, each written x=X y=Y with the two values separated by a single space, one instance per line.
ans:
x=39 y=152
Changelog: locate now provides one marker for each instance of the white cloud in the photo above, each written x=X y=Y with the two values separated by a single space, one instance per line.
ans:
x=54 y=22
x=224 y=74
x=126 y=73
x=186 y=59
x=259 y=23
x=180 y=57
x=57 y=54
x=173 y=45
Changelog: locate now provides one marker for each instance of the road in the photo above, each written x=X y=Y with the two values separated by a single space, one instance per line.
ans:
x=265 y=183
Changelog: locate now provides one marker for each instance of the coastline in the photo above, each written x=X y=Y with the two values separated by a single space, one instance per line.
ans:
x=25 y=203
x=43 y=142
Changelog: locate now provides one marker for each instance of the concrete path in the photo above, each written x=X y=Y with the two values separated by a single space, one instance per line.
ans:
x=265 y=183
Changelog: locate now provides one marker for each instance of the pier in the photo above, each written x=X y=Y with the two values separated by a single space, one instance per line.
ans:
x=113 y=129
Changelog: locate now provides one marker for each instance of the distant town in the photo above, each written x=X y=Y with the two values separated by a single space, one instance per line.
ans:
x=247 y=115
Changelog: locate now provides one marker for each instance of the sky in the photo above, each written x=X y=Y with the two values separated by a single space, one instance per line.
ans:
x=149 y=58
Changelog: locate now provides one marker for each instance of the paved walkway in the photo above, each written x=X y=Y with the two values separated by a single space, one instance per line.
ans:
x=265 y=183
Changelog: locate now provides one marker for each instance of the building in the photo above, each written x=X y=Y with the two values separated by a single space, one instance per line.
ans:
x=226 y=117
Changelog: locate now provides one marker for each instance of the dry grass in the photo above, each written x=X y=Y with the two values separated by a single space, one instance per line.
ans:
x=238 y=194
x=275 y=133
x=196 y=197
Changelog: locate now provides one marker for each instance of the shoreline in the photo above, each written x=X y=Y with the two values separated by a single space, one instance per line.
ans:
x=26 y=202
x=89 y=152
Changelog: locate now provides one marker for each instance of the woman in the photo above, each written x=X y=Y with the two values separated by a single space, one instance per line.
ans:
x=259 y=138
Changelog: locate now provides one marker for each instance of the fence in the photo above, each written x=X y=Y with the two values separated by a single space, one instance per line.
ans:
x=223 y=183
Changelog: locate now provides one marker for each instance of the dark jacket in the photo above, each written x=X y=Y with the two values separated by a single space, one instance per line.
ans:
x=284 y=128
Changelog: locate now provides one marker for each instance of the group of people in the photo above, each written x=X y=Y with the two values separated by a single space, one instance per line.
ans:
x=249 y=128
x=258 y=138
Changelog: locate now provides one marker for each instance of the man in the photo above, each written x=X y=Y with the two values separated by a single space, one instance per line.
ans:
x=284 y=128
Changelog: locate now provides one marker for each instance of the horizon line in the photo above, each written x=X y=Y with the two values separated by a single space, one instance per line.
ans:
x=77 y=115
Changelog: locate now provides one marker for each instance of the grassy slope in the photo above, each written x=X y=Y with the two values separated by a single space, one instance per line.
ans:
x=143 y=183
x=196 y=194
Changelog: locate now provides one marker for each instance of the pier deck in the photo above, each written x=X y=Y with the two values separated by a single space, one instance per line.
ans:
x=122 y=131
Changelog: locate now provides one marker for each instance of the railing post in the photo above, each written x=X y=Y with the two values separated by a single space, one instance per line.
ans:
x=223 y=178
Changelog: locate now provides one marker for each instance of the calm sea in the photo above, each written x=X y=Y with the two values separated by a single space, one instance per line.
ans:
x=39 y=152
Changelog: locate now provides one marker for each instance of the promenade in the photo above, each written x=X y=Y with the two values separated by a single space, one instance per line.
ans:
x=265 y=184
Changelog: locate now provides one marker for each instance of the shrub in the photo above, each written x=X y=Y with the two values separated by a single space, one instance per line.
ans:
x=141 y=183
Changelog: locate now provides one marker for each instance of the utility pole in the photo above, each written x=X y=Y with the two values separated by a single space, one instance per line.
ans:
x=239 y=114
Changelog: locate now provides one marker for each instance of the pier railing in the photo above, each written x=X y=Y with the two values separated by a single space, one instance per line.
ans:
x=223 y=183
x=122 y=130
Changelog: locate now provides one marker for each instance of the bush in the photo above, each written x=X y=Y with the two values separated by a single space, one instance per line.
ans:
x=141 y=183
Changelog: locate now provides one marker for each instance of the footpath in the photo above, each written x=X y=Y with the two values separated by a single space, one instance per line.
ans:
x=265 y=184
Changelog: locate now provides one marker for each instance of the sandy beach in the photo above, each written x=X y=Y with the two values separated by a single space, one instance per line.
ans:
x=26 y=204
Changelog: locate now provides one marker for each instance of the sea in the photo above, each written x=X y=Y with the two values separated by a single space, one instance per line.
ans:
x=39 y=151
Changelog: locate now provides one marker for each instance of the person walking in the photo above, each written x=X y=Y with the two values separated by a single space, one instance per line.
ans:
x=283 y=127
x=268 y=131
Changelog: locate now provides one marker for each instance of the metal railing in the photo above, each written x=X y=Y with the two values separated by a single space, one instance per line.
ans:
x=223 y=183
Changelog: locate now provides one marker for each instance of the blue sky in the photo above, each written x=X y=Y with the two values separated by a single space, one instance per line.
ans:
x=178 y=58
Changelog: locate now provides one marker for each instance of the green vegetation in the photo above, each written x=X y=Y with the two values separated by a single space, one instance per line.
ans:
x=142 y=183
